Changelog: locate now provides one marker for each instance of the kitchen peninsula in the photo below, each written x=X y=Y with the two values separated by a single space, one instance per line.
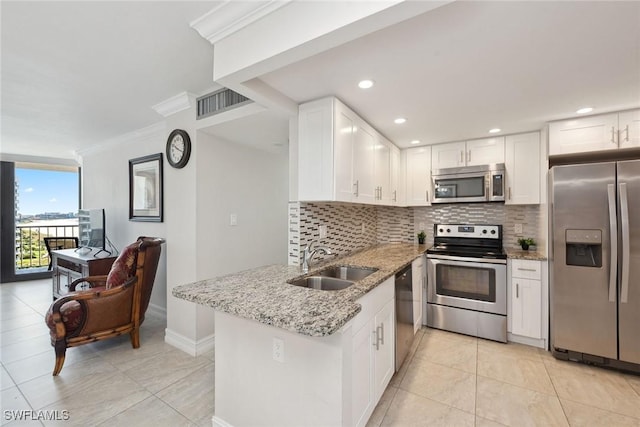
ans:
x=288 y=355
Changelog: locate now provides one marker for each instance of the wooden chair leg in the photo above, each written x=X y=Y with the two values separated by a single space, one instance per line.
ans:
x=61 y=349
x=135 y=337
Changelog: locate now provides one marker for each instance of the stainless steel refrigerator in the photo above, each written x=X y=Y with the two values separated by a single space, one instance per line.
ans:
x=595 y=262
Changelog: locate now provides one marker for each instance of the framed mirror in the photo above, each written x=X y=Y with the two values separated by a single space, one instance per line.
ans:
x=145 y=188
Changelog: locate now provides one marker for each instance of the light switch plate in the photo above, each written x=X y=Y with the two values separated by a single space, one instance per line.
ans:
x=517 y=228
x=322 y=231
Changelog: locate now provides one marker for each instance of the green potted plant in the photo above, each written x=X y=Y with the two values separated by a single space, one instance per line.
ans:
x=525 y=242
x=421 y=237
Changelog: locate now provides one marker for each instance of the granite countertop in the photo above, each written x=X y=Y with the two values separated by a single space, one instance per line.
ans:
x=529 y=255
x=262 y=294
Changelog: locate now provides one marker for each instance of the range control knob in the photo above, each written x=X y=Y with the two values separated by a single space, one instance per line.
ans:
x=484 y=231
x=493 y=231
x=448 y=230
x=440 y=230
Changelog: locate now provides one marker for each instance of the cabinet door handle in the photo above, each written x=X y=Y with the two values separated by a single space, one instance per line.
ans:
x=395 y=195
x=380 y=194
x=427 y=195
x=526 y=269
x=375 y=343
x=612 y=132
x=381 y=336
x=517 y=291
x=355 y=185
x=469 y=156
x=461 y=157
x=509 y=193
x=626 y=132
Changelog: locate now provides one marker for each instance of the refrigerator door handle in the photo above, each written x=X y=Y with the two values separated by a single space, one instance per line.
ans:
x=613 y=231
x=624 y=219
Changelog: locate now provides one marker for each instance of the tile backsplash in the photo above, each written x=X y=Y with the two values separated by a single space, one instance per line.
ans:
x=353 y=226
x=482 y=213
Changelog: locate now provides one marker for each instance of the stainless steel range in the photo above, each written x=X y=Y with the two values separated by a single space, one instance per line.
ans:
x=467 y=281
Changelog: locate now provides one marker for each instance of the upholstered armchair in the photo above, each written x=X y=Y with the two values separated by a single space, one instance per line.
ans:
x=112 y=305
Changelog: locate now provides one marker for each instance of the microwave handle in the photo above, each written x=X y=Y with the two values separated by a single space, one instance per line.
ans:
x=488 y=186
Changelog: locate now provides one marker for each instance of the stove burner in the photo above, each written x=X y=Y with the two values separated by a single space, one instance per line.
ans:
x=464 y=240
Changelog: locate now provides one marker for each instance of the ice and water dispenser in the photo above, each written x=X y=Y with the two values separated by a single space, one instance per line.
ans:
x=584 y=248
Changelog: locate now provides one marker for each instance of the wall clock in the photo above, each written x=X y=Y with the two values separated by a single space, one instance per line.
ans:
x=178 y=148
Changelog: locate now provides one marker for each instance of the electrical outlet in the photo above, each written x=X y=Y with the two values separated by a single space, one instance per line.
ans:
x=322 y=230
x=517 y=228
x=278 y=350
x=233 y=219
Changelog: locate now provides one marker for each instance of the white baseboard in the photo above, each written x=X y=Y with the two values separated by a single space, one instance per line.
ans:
x=157 y=310
x=192 y=347
x=540 y=343
x=219 y=422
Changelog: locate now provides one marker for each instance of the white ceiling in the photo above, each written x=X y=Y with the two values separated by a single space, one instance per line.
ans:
x=75 y=74
x=467 y=67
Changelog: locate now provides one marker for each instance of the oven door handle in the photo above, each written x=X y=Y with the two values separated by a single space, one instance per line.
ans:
x=467 y=259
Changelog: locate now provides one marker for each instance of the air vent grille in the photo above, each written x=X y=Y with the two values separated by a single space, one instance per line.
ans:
x=219 y=101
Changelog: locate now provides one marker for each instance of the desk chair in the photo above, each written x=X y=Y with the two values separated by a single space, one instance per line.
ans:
x=56 y=243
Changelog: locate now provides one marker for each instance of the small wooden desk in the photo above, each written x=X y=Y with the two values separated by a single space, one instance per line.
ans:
x=69 y=265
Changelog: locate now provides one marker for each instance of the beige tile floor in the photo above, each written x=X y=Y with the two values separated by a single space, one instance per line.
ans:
x=101 y=384
x=447 y=380
x=456 y=380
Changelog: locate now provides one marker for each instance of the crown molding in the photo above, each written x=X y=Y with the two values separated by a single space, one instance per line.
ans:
x=156 y=130
x=179 y=102
x=231 y=16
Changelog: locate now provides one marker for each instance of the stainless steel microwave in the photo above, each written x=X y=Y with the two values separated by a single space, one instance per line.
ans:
x=483 y=183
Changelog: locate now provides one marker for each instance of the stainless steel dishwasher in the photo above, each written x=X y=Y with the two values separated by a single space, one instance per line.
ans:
x=404 y=314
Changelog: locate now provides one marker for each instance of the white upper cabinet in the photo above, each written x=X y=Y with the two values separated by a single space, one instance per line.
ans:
x=485 y=151
x=382 y=168
x=417 y=163
x=629 y=128
x=364 y=143
x=522 y=164
x=595 y=133
x=341 y=157
x=470 y=153
x=450 y=155
x=395 y=191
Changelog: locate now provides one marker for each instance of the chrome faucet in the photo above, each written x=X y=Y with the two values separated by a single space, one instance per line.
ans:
x=309 y=251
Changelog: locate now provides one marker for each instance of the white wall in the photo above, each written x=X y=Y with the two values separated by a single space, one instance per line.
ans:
x=105 y=184
x=253 y=185
x=221 y=178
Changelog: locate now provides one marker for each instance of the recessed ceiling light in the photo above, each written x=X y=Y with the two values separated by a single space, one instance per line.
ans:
x=494 y=130
x=400 y=120
x=415 y=141
x=365 y=84
x=585 y=110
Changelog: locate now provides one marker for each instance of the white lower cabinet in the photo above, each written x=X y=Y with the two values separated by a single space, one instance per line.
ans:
x=418 y=280
x=373 y=351
x=527 y=298
x=528 y=307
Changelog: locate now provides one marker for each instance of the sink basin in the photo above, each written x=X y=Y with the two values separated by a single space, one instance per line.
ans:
x=322 y=283
x=347 y=273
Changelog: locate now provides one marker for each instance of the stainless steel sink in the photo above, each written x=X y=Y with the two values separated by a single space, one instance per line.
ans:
x=322 y=283
x=347 y=273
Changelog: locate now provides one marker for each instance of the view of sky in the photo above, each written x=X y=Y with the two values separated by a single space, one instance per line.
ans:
x=41 y=191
